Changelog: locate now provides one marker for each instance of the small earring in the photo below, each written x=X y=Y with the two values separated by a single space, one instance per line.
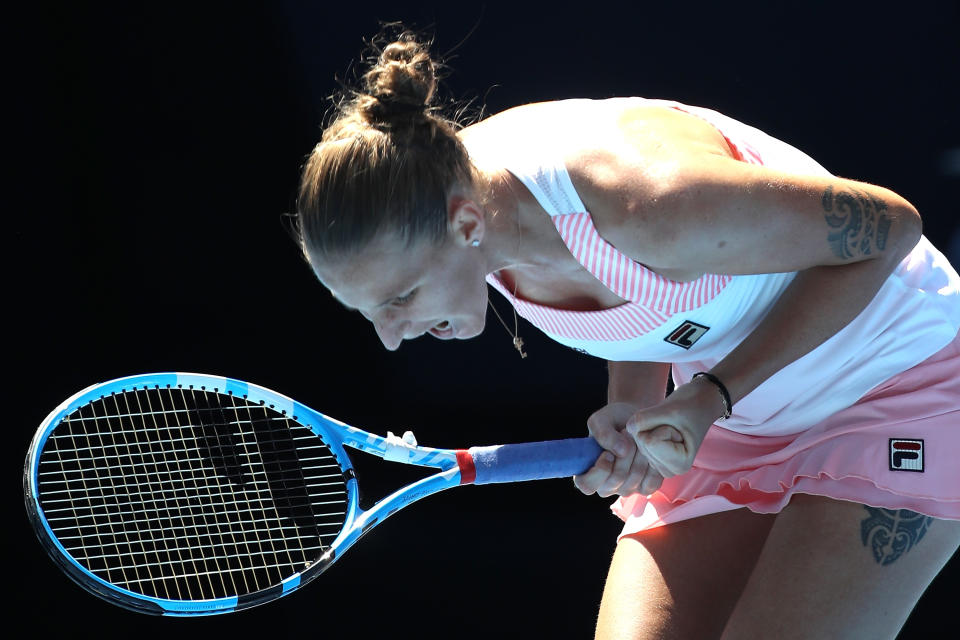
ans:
x=475 y=243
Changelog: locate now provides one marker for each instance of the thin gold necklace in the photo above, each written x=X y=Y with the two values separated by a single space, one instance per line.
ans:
x=517 y=340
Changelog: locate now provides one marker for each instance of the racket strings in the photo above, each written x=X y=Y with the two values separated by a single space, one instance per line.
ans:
x=189 y=493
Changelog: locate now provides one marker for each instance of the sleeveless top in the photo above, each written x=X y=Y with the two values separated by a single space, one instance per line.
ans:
x=693 y=325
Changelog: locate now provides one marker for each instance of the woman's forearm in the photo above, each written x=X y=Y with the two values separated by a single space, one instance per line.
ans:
x=641 y=384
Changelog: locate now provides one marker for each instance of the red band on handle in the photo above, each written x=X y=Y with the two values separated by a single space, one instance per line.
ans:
x=468 y=472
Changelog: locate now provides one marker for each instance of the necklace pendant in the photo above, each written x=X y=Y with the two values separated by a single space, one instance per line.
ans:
x=518 y=345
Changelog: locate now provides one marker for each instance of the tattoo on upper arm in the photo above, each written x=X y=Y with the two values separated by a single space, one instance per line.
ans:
x=858 y=222
x=889 y=533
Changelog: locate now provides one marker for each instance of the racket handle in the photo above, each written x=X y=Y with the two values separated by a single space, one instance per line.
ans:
x=534 y=460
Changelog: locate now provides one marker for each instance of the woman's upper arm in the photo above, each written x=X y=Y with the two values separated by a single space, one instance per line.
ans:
x=703 y=212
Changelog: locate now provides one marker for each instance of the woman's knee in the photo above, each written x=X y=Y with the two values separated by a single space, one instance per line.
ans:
x=682 y=580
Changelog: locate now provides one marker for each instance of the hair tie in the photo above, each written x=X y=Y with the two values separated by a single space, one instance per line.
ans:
x=392 y=106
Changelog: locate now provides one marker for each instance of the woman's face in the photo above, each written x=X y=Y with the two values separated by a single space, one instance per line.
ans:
x=407 y=292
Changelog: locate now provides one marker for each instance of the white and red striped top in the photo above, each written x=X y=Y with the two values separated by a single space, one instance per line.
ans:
x=916 y=312
x=651 y=298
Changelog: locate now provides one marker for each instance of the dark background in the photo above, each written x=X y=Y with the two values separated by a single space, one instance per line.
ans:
x=153 y=148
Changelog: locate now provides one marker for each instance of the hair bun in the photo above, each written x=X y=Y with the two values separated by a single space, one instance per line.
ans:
x=387 y=160
x=403 y=80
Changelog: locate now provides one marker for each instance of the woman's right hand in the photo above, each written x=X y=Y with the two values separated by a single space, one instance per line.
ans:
x=621 y=469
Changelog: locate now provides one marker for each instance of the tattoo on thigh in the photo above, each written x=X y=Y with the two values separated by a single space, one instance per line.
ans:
x=858 y=222
x=889 y=533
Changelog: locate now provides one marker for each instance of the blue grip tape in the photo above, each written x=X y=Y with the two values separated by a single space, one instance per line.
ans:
x=534 y=460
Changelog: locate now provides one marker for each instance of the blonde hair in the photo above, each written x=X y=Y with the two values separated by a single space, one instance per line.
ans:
x=385 y=163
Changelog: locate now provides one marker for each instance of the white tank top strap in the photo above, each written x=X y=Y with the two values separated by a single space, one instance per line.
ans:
x=549 y=182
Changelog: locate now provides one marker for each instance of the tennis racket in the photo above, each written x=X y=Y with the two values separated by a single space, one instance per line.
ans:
x=185 y=494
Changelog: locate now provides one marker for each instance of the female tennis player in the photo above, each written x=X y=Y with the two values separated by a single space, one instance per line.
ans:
x=810 y=329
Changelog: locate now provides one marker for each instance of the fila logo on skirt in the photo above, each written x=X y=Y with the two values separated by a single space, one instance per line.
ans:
x=906 y=455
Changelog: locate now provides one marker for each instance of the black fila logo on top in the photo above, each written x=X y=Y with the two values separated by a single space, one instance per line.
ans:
x=906 y=455
x=687 y=334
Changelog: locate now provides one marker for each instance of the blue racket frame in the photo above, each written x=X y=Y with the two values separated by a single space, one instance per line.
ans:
x=478 y=465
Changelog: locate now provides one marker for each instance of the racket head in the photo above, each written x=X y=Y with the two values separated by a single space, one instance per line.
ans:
x=179 y=448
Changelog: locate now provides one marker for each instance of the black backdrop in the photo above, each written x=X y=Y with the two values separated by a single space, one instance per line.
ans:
x=154 y=148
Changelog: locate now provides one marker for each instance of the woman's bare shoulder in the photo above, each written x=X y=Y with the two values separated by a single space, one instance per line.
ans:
x=644 y=138
x=603 y=141
x=582 y=124
x=636 y=154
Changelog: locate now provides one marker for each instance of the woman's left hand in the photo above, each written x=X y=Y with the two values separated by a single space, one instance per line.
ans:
x=670 y=433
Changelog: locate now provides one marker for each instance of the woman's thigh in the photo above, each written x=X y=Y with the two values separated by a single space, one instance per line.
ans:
x=834 y=569
x=683 y=580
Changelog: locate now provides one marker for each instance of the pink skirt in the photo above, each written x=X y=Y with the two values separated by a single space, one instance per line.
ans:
x=898 y=447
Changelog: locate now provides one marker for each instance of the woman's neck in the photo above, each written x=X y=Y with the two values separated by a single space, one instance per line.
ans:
x=515 y=235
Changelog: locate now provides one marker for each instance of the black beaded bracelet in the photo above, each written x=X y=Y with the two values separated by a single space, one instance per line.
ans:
x=724 y=394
